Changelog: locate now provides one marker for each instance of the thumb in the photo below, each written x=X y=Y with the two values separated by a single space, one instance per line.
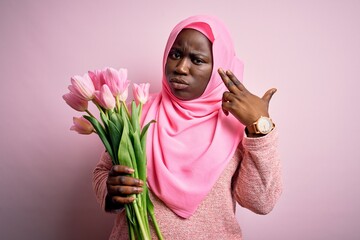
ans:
x=268 y=95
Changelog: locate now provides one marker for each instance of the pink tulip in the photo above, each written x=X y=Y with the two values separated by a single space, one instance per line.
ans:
x=117 y=82
x=82 y=126
x=75 y=102
x=141 y=92
x=97 y=77
x=105 y=98
x=83 y=87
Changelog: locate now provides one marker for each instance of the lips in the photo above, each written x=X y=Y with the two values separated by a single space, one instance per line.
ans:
x=178 y=83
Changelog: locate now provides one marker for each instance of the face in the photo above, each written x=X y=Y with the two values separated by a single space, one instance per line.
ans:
x=189 y=64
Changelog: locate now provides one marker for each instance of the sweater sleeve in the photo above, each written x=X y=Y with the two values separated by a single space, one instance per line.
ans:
x=257 y=183
x=100 y=174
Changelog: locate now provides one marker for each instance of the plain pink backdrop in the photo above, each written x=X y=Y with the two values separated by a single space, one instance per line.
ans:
x=309 y=50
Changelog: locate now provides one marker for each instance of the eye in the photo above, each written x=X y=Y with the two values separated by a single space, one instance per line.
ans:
x=174 y=54
x=198 y=61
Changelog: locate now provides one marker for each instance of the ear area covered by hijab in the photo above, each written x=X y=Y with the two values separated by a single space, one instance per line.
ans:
x=192 y=141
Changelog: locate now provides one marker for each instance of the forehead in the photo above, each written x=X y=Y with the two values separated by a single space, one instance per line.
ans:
x=190 y=38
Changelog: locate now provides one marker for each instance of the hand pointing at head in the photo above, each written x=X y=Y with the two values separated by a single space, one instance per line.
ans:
x=241 y=103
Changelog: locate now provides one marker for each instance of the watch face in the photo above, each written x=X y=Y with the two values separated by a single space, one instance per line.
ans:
x=264 y=125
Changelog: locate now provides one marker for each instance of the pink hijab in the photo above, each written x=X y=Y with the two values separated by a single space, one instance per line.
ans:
x=192 y=142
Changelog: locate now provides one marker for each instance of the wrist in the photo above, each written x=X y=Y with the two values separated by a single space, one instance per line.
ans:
x=253 y=135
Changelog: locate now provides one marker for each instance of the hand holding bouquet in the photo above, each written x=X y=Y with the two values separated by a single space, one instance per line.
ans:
x=119 y=130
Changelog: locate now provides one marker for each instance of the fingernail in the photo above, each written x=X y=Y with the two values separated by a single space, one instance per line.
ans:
x=130 y=170
x=141 y=183
x=138 y=190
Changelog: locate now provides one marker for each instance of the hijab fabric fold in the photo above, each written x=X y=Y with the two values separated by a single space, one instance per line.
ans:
x=192 y=141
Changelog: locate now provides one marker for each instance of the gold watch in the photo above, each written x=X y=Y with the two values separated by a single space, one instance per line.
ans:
x=263 y=125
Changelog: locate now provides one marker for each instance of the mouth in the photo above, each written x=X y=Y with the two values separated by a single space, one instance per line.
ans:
x=178 y=83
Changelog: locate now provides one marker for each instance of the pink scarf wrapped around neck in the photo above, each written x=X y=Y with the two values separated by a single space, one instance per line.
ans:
x=192 y=142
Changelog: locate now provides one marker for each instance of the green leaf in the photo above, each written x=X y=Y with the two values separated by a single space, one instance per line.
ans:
x=125 y=117
x=115 y=136
x=140 y=156
x=116 y=119
x=132 y=154
x=104 y=118
x=123 y=152
x=101 y=133
x=135 y=116
x=143 y=135
x=145 y=129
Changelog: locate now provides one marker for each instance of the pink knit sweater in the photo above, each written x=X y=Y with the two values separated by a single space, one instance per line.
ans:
x=252 y=179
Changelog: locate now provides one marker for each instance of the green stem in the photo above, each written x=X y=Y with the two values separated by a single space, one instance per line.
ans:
x=117 y=103
x=140 y=111
x=144 y=208
x=144 y=233
x=130 y=225
x=156 y=226
x=126 y=108
x=90 y=114
x=98 y=106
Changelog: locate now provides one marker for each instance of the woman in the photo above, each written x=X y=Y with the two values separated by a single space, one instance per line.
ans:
x=200 y=160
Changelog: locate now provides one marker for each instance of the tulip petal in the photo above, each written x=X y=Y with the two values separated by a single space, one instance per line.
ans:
x=97 y=77
x=75 y=102
x=117 y=82
x=107 y=97
x=82 y=86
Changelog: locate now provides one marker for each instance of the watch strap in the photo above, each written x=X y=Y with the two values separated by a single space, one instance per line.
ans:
x=253 y=129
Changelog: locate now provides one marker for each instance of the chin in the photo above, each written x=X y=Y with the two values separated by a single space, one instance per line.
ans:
x=181 y=96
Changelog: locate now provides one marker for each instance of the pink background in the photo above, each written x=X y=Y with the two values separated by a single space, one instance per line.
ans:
x=309 y=50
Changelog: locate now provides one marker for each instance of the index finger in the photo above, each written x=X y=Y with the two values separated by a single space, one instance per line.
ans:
x=230 y=81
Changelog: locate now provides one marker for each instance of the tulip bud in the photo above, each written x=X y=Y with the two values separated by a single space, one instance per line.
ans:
x=141 y=92
x=82 y=126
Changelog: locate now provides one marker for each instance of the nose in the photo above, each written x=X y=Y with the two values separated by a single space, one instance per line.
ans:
x=182 y=66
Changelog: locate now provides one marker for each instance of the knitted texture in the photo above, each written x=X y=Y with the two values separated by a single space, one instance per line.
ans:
x=252 y=179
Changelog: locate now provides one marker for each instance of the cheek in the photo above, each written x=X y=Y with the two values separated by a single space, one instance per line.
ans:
x=205 y=76
x=168 y=67
x=201 y=85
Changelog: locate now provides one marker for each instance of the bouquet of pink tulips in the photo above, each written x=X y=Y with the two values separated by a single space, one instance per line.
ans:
x=119 y=130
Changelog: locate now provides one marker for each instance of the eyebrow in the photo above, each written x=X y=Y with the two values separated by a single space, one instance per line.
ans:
x=192 y=52
x=204 y=56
